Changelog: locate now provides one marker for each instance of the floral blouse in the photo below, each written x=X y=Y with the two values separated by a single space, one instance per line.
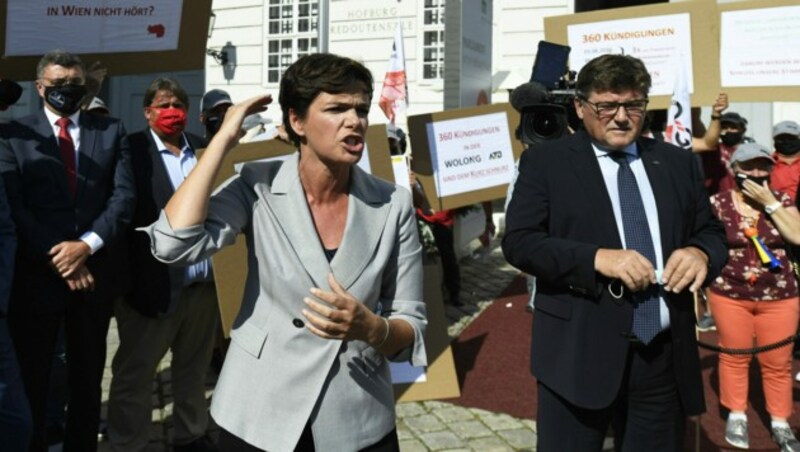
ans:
x=744 y=276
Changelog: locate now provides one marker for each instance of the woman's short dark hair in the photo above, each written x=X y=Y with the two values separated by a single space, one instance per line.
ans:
x=165 y=84
x=312 y=74
x=614 y=73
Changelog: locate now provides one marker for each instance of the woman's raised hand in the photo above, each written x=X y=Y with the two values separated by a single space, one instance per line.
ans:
x=234 y=117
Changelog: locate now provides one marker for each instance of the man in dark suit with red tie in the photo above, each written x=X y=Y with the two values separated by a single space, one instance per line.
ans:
x=70 y=186
x=619 y=233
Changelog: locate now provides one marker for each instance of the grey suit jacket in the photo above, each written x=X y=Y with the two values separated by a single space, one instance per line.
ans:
x=277 y=375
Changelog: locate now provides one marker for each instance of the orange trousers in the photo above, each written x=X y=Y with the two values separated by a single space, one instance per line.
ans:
x=744 y=324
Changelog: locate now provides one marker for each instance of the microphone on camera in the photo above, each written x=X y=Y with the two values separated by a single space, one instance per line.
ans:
x=10 y=93
x=527 y=94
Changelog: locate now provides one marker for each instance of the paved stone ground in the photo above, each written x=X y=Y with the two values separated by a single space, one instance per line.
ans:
x=422 y=426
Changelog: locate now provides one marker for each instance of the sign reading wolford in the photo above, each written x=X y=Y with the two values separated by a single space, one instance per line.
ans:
x=470 y=153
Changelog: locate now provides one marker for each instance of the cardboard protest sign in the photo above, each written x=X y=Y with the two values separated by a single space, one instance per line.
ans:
x=127 y=36
x=667 y=37
x=465 y=156
x=759 y=55
x=439 y=379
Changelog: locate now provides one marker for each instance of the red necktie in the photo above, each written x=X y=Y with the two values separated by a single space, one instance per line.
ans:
x=67 y=151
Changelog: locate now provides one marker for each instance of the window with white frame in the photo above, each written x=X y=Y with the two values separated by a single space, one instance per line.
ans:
x=433 y=40
x=292 y=32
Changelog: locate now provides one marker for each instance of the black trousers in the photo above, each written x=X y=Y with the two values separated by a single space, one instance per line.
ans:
x=228 y=442
x=451 y=273
x=34 y=335
x=15 y=415
x=646 y=414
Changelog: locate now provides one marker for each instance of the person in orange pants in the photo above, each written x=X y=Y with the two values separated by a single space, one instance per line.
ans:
x=755 y=298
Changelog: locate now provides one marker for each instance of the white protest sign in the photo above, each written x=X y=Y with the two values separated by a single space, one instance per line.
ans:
x=760 y=47
x=364 y=162
x=406 y=373
x=470 y=153
x=400 y=170
x=34 y=27
x=658 y=41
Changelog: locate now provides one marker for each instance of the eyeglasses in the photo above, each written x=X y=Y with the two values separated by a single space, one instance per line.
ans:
x=63 y=81
x=633 y=108
x=178 y=105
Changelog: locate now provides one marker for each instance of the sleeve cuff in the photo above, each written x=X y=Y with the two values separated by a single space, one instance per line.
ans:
x=93 y=240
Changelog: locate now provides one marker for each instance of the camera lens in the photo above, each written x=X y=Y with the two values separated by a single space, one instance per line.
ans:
x=542 y=122
x=545 y=124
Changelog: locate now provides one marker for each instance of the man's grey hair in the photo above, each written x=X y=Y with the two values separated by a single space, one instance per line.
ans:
x=61 y=58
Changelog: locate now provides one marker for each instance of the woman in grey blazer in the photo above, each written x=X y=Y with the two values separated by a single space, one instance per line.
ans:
x=334 y=287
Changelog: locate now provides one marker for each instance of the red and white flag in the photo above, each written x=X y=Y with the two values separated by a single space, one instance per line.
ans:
x=394 y=95
x=679 y=116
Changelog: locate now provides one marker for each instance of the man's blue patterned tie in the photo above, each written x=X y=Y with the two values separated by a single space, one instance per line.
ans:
x=646 y=318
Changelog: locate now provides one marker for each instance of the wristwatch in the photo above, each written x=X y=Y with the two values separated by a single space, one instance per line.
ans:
x=713 y=117
x=770 y=209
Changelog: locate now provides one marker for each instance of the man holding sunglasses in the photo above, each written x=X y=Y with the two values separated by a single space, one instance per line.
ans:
x=619 y=232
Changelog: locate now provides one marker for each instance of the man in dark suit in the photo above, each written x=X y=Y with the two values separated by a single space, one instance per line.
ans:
x=167 y=308
x=619 y=233
x=15 y=413
x=70 y=185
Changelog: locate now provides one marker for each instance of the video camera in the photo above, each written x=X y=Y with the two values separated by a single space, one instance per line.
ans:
x=546 y=102
x=10 y=93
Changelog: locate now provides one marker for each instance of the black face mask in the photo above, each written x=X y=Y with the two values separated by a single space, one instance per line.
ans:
x=9 y=93
x=741 y=177
x=731 y=138
x=65 y=99
x=213 y=123
x=788 y=147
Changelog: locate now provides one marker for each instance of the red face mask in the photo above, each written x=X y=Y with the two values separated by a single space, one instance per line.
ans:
x=170 y=120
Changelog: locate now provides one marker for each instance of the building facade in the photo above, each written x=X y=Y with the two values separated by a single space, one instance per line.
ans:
x=270 y=34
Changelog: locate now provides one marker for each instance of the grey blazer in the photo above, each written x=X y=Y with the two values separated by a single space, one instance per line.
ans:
x=277 y=375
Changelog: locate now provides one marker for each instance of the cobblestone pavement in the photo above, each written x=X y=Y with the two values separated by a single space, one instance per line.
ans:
x=422 y=426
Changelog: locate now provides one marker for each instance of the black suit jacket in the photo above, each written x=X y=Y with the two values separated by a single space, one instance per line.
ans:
x=8 y=247
x=151 y=280
x=46 y=214
x=559 y=216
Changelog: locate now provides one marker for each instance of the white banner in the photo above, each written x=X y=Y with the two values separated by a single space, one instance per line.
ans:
x=394 y=95
x=35 y=27
x=679 y=116
x=406 y=373
x=760 y=47
x=400 y=171
x=471 y=153
x=658 y=41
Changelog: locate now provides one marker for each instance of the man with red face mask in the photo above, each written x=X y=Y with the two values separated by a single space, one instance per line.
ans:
x=167 y=307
